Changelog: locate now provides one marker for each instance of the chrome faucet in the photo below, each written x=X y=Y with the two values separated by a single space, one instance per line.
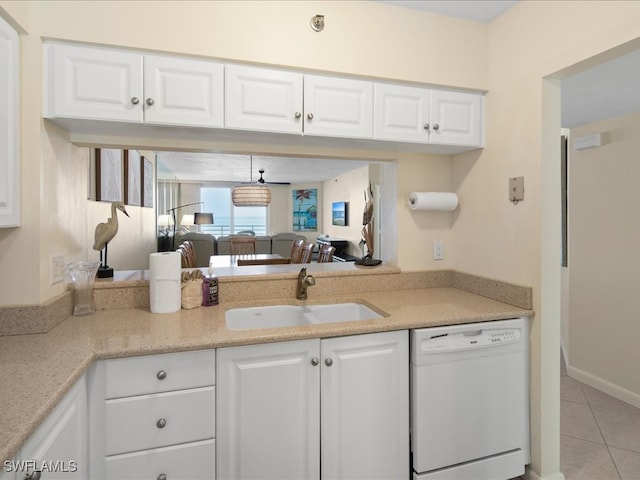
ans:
x=304 y=282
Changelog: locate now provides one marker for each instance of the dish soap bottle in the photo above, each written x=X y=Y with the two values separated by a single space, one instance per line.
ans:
x=210 y=294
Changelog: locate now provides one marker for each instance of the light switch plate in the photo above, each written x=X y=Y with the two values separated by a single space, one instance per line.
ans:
x=438 y=250
x=516 y=189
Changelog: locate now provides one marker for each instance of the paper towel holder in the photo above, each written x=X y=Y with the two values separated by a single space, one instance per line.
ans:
x=436 y=201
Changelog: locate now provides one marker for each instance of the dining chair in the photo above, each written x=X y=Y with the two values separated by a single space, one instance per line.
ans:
x=307 y=250
x=296 y=250
x=242 y=245
x=187 y=260
x=325 y=253
x=264 y=261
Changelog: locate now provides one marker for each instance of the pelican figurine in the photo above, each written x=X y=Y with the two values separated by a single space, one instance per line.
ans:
x=104 y=234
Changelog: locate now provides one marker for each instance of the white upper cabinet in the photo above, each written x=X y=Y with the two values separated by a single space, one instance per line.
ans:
x=401 y=113
x=338 y=107
x=125 y=86
x=266 y=100
x=93 y=83
x=263 y=100
x=9 y=126
x=183 y=92
x=456 y=118
x=118 y=85
x=419 y=115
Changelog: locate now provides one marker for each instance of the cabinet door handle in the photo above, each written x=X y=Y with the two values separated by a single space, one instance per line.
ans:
x=315 y=361
x=309 y=116
x=161 y=375
x=35 y=475
x=298 y=115
x=161 y=423
x=135 y=100
x=436 y=127
x=328 y=362
x=426 y=127
x=150 y=101
x=162 y=476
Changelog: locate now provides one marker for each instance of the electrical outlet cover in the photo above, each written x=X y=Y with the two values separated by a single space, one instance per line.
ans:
x=57 y=269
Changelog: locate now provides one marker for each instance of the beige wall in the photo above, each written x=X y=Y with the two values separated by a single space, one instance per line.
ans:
x=604 y=205
x=509 y=58
x=350 y=188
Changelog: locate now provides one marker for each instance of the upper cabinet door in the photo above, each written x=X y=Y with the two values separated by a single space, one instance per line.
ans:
x=338 y=107
x=263 y=100
x=9 y=126
x=95 y=83
x=401 y=113
x=180 y=91
x=456 y=118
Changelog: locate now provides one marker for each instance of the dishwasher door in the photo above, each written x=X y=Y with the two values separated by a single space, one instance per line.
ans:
x=469 y=399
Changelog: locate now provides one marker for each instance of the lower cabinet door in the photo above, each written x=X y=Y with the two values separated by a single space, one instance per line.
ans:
x=189 y=461
x=365 y=407
x=268 y=411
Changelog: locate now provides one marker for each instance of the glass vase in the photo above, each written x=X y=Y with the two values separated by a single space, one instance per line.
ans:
x=83 y=275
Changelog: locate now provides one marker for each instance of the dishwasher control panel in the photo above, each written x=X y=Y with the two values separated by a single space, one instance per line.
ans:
x=469 y=340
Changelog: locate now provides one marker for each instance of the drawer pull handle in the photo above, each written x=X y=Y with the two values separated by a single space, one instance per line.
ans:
x=161 y=423
x=161 y=375
x=162 y=476
x=35 y=475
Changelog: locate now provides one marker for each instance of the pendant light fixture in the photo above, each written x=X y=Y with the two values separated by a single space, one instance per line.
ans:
x=251 y=194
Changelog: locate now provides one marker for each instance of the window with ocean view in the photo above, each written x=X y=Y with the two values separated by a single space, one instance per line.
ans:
x=227 y=218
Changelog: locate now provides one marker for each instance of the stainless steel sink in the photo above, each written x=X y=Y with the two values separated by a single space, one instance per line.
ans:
x=277 y=316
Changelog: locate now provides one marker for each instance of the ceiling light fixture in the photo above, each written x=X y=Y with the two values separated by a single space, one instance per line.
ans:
x=252 y=194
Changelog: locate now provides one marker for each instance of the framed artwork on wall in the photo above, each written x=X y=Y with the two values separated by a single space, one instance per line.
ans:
x=340 y=214
x=305 y=210
x=147 y=183
x=132 y=178
x=109 y=175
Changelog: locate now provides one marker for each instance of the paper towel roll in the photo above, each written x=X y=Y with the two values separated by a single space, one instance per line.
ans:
x=433 y=201
x=164 y=282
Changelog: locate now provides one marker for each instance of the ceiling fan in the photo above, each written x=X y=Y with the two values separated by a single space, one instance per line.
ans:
x=263 y=181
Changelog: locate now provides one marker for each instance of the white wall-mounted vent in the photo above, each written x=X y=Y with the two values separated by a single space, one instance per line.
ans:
x=588 y=141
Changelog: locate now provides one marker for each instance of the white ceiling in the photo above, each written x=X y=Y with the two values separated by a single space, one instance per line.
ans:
x=481 y=11
x=608 y=90
x=202 y=167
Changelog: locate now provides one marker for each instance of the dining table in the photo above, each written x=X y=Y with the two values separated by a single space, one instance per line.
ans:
x=218 y=261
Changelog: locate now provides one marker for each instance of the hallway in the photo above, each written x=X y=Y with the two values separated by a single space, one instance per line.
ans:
x=599 y=434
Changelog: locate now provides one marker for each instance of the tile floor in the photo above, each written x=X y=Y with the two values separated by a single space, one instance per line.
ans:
x=599 y=434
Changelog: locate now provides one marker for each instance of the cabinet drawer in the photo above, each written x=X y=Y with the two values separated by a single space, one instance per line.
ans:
x=132 y=423
x=140 y=375
x=195 y=460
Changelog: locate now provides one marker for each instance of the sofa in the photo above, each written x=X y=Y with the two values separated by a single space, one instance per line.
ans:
x=205 y=245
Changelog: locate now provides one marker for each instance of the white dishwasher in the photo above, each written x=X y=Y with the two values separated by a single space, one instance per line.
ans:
x=470 y=401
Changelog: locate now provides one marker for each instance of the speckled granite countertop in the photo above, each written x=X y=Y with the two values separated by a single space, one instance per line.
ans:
x=36 y=370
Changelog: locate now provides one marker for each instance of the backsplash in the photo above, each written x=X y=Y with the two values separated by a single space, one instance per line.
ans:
x=134 y=294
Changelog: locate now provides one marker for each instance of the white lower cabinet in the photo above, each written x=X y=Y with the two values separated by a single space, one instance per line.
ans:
x=153 y=417
x=58 y=448
x=332 y=409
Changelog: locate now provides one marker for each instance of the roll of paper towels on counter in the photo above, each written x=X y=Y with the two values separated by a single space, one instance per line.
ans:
x=165 y=269
x=433 y=201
